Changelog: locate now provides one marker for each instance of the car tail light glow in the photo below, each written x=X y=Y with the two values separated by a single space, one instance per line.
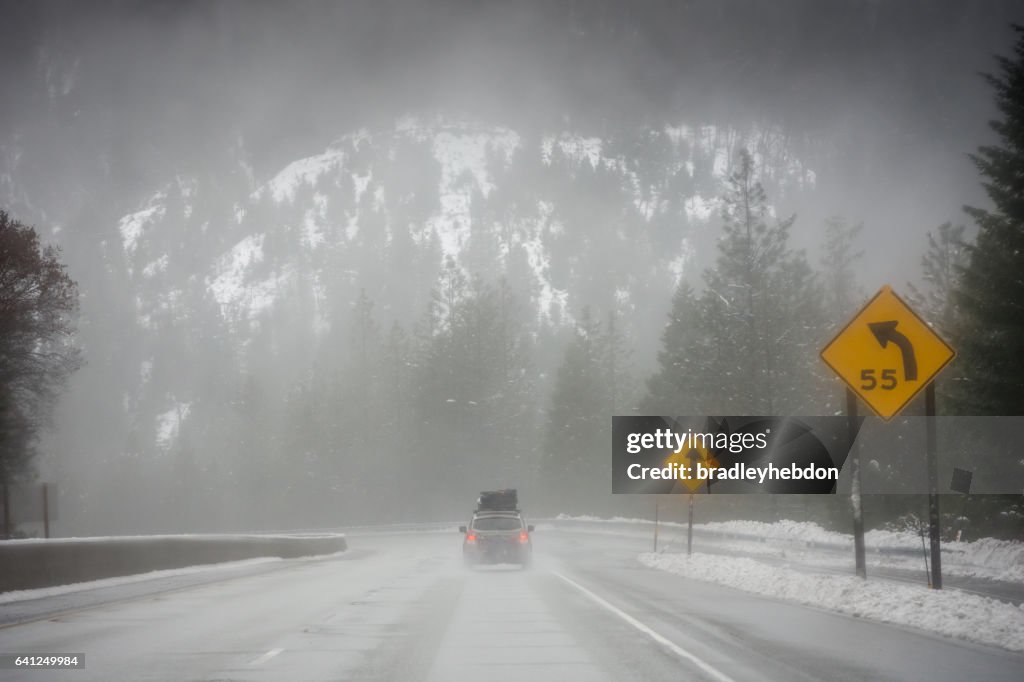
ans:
x=523 y=537
x=471 y=537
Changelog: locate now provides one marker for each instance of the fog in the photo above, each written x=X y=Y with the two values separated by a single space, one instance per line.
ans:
x=332 y=256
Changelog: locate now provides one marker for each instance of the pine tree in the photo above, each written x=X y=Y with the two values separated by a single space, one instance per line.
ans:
x=362 y=390
x=760 y=305
x=990 y=334
x=676 y=389
x=746 y=344
x=575 y=466
x=364 y=331
x=942 y=267
x=748 y=249
x=473 y=385
x=615 y=358
x=837 y=264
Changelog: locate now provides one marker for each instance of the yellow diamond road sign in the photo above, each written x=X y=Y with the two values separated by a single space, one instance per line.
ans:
x=887 y=354
x=690 y=459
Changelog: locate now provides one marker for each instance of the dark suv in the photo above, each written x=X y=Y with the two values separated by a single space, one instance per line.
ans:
x=497 y=537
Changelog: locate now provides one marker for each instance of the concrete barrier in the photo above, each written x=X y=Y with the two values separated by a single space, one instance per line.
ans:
x=28 y=564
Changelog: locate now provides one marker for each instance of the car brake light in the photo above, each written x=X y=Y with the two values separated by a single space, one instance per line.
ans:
x=471 y=538
x=523 y=537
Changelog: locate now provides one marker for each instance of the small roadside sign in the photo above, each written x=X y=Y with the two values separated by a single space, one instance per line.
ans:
x=887 y=354
x=690 y=459
x=961 y=481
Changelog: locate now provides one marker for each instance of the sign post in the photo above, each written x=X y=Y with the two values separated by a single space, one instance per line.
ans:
x=689 y=530
x=961 y=483
x=655 y=524
x=933 y=487
x=7 y=511
x=46 y=511
x=886 y=355
x=855 y=499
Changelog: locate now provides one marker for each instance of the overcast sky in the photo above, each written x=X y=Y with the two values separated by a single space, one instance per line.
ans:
x=884 y=98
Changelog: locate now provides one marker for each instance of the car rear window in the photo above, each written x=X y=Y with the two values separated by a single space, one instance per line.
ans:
x=498 y=523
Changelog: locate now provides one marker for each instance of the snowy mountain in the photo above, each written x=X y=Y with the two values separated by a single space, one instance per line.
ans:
x=444 y=188
x=258 y=314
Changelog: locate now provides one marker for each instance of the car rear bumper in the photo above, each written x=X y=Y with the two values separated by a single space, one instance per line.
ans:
x=497 y=553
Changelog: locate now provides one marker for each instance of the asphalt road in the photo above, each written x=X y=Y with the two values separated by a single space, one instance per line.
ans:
x=402 y=607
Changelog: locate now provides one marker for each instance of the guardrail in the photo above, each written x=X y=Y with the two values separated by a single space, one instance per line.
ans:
x=27 y=564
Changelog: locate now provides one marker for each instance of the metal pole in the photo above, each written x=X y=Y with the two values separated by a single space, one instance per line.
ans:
x=655 y=524
x=933 y=485
x=855 y=500
x=924 y=551
x=7 y=512
x=961 y=535
x=689 y=530
x=46 y=511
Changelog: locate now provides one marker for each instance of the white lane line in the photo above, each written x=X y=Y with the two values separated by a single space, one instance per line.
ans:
x=660 y=639
x=265 y=657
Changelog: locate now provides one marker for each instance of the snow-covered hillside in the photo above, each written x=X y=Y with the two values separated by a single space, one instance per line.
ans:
x=365 y=181
x=248 y=316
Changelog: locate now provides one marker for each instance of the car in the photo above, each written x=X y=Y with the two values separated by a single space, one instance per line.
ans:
x=497 y=537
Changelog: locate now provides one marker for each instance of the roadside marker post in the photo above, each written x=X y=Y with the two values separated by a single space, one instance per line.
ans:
x=924 y=552
x=689 y=530
x=46 y=511
x=933 y=486
x=961 y=483
x=655 y=524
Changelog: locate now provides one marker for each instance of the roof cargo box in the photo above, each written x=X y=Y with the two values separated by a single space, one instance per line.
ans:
x=498 y=500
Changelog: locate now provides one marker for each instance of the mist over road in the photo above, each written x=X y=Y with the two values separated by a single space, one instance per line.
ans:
x=401 y=606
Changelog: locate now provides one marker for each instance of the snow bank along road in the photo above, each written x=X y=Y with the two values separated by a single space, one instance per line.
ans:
x=402 y=607
x=986 y=567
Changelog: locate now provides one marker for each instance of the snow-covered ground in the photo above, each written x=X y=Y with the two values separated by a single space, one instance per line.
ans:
x=948 y=612
x=802 y=545
x=810 y=544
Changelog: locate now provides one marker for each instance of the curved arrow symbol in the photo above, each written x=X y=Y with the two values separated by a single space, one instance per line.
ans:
x=886 y=332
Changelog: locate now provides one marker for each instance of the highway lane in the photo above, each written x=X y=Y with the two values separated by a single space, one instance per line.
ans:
x=402 y=607
x=757 y=638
